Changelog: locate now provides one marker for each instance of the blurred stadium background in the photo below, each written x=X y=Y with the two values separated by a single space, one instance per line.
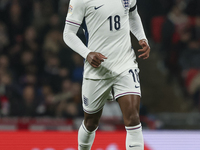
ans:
x=40 y=79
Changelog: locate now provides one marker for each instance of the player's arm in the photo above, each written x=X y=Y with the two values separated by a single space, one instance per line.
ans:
x=74 y=19
x=72 y=40
x=137 y=29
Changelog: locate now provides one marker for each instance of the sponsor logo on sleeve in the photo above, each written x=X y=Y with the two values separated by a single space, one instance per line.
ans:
x=70 y=9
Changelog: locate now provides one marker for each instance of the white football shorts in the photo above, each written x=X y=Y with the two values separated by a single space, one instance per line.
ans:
x=95 y=92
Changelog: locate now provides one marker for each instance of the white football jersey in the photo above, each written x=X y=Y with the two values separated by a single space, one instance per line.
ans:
x=106 y=25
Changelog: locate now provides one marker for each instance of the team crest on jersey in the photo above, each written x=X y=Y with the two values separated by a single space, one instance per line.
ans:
x=126 y=4
x=70 y=9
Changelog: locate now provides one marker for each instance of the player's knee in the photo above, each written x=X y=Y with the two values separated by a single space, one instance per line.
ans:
x=91 y=125
x=132 y=120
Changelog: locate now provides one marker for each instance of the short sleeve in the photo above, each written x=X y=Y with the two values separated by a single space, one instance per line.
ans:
x=132 y=5
x=76 y=12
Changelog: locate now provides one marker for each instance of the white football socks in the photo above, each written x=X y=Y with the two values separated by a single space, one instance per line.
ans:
x=134 y=138
x=85 y=138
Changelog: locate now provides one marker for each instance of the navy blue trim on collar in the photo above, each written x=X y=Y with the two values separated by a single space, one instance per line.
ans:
x=133 y=8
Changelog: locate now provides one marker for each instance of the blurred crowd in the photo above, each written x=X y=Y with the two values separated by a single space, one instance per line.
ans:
x=180 y=47
x=41 y=76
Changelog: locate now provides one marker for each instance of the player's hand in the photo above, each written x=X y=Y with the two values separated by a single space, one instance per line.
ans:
x=95 y=59
x=145 y=49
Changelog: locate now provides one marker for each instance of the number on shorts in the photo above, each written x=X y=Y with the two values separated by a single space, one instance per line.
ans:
x=135 y=75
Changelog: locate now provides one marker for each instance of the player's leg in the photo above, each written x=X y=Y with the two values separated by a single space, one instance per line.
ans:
x=127 y=92
x=86 y=133
x=129 y=105
x=94 y=96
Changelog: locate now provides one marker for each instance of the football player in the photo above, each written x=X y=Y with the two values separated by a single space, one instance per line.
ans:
x=110 y=63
